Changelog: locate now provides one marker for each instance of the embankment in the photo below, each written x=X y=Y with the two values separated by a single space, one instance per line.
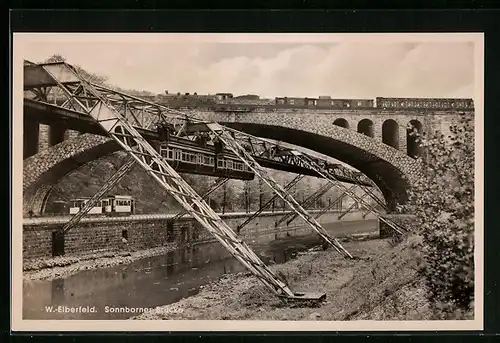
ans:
x=382 y=286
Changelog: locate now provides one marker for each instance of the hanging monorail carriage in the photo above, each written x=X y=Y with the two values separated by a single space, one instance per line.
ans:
x=201 y=157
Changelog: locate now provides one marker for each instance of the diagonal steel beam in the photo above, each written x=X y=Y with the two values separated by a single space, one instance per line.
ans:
x=339 y=199
x=225 y=136
x=287 y=187
x=108 y=186
x=308 y=201
x=327 y=208
x=373 y=196
x=151 y=161
x=218 y=183
x=103 y=190
x=313 y=164
x=343 y=214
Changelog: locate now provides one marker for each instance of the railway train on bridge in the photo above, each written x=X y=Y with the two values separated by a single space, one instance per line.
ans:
x=379 y=103
x=326 y=102
x=112 y=205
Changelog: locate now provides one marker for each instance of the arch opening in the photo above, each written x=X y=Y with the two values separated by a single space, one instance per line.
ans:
x=413 y=131
x=365 y=127
x=390 y=133
x=341 y=122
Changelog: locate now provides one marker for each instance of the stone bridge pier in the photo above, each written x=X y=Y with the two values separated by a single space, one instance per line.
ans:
x=38 y=137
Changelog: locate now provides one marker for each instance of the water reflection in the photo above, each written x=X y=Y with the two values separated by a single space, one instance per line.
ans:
x=148 y=282
x=58 y=291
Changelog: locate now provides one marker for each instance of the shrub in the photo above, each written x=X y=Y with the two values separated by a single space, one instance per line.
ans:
x=444 y=201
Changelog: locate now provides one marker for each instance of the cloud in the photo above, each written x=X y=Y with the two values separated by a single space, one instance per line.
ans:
x=343 y=69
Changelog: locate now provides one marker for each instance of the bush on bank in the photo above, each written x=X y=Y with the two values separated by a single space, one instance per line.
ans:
x=443 y=199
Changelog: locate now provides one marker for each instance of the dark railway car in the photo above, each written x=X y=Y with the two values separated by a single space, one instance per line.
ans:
x=201 y=158
x=327 y=102
x=362 y=103
x=291 y=101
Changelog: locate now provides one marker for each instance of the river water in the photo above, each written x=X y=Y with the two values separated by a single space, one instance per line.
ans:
x=155 y=281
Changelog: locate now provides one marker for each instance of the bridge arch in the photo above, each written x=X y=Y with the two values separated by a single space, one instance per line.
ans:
x=391 y=170
x=390 y=133
x=414 y=128
x=365 y=127
x=341 y=122
x=41 y=172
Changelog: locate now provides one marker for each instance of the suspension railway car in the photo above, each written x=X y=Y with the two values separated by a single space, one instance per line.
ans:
x=200 y=158
x=111 y=205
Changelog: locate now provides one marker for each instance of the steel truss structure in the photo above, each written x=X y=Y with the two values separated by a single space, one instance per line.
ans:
x=263 y=150
x=333 y=203
x=308 y=201
x=95 y=102
x=255 y=146
x=344 y=213
x=325 y=173
x=287 y=187
x=217 y=184
x=107 y=187
x=227 y=136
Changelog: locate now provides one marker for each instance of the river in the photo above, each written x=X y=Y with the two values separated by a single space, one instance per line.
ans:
x=155 y=281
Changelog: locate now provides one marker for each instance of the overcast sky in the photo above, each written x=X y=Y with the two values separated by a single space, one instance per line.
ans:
x=343 y=69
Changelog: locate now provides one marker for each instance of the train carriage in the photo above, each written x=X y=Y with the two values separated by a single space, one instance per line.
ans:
x=75 y=205
x=110 y=205
x=201 y=158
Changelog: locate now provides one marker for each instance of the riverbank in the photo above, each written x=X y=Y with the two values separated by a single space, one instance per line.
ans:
x=50 y=268
x=382 y=286
x=56 y=267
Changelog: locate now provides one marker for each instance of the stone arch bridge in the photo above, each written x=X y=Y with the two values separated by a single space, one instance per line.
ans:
x=323 y=131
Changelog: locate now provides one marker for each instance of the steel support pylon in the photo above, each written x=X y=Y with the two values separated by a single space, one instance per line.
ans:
x=339 y=198
x=107 y=187
x=309 y=200
x=225 y=136
x=217 y=184
x=344 y=213
x=151 y=161
x=324 y=173
x=287 y=187
x=110 y=183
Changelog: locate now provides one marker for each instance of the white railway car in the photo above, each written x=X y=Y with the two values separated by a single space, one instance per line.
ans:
x=118 y=204
x=110 y=205
x=77 y=204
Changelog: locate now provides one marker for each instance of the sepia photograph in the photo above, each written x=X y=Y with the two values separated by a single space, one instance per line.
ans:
x=201 y=182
